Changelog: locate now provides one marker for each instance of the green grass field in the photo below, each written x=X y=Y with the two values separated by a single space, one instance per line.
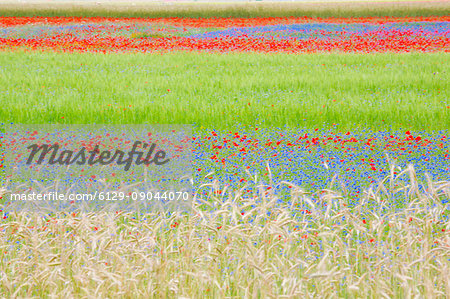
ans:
x=378 y=91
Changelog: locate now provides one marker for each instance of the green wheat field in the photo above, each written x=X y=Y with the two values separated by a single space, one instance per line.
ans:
x=377 y=91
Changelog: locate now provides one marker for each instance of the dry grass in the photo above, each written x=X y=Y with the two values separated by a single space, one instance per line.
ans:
x=232 y=9
x=239 y=247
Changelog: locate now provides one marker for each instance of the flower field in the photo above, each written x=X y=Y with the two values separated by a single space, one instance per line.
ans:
x=353 y=161
x=321 y=155
x=290 y=35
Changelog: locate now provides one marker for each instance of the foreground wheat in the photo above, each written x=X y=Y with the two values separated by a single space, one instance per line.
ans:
x=240 y=247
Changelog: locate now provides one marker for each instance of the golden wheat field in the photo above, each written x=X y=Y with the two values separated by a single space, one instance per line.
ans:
x=240 y=246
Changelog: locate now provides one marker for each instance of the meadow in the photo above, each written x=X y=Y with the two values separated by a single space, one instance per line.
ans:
x=376 y=91
x=320 y=144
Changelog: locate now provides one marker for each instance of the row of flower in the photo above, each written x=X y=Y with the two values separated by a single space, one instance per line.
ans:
x=307 y=158
x=291 y=35
x=311 y=159
x=212 y=22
